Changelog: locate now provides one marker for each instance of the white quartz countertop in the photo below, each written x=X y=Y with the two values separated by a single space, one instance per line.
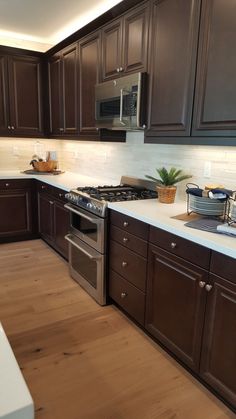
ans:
x=15 y=399
x=159 y=215
x=66 y=181
x=149 y=211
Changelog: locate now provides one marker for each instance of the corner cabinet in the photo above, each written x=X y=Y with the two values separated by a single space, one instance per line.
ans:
x=125 y=43
x=18 y=210
x=214 y=108
x=89 y=75
x=21 y=111
x=63 y=92
x=173 y=54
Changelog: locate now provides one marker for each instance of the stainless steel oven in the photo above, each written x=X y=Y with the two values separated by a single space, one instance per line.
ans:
x=87 y=247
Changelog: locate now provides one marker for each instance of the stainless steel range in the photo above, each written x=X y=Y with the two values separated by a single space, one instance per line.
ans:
x=88 y=230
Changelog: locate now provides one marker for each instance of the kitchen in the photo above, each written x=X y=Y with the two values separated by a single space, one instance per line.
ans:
x=46 y=325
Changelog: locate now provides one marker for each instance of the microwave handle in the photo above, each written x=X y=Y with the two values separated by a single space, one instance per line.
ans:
x=121 y=107
x=68 y=238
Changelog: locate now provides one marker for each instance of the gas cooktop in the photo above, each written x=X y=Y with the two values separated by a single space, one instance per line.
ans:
x=95 y=199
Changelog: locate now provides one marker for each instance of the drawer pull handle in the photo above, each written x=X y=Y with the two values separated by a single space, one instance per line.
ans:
x=208 y=287
x=173 y=245
x=51 y=202
x=123 y=294
x=124 y=264
x=125 y=223
x=202 y=284
x=125 y=239
x=6 y=184
x=43 y=187
x=60 y=195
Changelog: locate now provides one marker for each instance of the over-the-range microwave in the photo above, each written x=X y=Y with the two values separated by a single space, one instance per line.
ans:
x=120 y=103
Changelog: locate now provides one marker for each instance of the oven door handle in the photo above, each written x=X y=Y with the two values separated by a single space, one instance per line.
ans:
x=69 y=239
x=93 y=220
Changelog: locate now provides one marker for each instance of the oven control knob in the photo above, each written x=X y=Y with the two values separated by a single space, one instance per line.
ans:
x=90 y=205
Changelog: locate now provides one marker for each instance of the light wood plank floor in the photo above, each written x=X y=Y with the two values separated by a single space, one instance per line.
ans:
x=83 y=361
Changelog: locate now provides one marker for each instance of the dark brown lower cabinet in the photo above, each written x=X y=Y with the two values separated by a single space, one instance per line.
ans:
x=175 y=304
x=53 y=217
x=17 y=202
x=218 y=360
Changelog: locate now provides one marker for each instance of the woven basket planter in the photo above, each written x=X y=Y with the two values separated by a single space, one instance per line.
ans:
x=166 y=194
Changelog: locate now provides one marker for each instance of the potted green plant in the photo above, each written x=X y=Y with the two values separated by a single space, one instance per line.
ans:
x=166 y=182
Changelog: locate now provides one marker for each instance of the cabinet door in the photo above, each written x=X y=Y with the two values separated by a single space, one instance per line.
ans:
x=218 y=363
x=55 y=111
x=4 y=120
x=173 y=50
x=175 y=304
x=25 y=93
x=135 y=39
x=45 y=212
x=61 y=227
x=69 y=92
x=15 y=213
x=112 y=50
x=214 y=108
x=89 y=58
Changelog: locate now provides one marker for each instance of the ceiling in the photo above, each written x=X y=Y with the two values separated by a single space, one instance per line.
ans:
x=39 y=25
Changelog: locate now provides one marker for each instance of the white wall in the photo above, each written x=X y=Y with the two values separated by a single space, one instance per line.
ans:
x=111 y=160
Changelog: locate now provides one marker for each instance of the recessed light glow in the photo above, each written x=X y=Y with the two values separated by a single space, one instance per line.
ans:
x=82 y=20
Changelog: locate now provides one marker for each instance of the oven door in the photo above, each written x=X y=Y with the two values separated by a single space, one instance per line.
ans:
x=87 y=227
x=87 y=267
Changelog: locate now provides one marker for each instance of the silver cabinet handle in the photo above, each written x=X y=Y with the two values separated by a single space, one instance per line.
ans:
x=7 y=184
x=12 y=127
x=144 y=126
x=51 y=202
x=9 y=127
x=117 y=70
x=125 y=240
x=121 y=69
x=123 y=294
x=208 y=287
x=202 y=284
x=61 y=129
x=43 y=187
x=124 y=264
x=125 y=224
x=173 y=245
x=60 y=195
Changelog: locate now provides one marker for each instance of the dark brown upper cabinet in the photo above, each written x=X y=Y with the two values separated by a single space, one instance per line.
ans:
x=89 y=75
x=124 y=43
x=3 y=96
x=215 y=105
x=21 y=95
x=63 y=92
x=173 y=50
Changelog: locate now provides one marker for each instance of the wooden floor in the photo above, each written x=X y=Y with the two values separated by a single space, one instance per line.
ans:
x=83 y=361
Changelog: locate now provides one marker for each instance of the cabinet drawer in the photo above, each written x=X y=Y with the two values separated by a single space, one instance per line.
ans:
x=128 y=264
x=223 y=266
x=59 y=194
x=127 y=296
x=6 y=184
x=130 y=225
x=44 y=187
x=129 y=240
x=186 y=249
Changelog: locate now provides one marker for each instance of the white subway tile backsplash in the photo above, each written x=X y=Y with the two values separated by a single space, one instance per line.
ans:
x=112 y=160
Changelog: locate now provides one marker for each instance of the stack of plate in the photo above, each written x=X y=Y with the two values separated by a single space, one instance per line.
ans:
x=232 y=210
x=206 y=206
